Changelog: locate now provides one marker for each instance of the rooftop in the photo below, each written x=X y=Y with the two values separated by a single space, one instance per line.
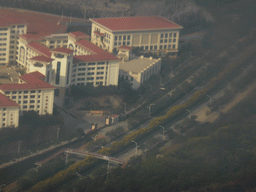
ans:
x=39 y=48
x=100 y=57
x=62 y=50
x=33 y=82
x=40 y=23
x=125 y=47
x=6 y=102
x=136 y=23
x=136 y=65
x=94 y=49
x=78 y=34
x=41 y=58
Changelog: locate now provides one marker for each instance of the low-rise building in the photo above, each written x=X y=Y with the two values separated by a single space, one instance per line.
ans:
x=137 y=70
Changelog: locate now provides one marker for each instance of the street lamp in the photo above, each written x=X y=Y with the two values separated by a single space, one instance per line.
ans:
x=164 y=131
x=125 y=108
x=149 y=108
x=150 y=86
x=209 y=98
x=136 y=147
x=189 y=113
x=140 y=97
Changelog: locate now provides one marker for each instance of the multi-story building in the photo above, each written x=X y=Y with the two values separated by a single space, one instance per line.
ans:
x=154 y=34
x=47 y=28
x=9 y=112
x=10 y=28
x=31 y=93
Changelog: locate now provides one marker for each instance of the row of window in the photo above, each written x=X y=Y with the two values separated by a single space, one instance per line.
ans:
x=3 y=39
x=84 y=64
x=122 y=37
x=52 y=42
x=20 y=92
x=151 y=48
x=1 y=34
x=25 y=97
x=89 y=78
x=3 y=29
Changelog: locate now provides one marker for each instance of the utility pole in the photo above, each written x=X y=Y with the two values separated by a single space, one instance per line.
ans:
x=19 y=147
x=164 y=131
x=189 y=113
x=149 y=107
x=125 y=108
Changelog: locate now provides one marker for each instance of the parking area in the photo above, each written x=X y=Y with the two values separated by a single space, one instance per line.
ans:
x=8 y=75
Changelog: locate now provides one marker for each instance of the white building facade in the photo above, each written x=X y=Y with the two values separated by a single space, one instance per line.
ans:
x=153 y=34
x=31 y=93
x=9 y=112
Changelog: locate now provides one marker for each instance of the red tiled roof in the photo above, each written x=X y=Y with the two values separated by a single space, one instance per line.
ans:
x=90 y=47
x=100 y=57
x=11 y=20
x=32 y=36
x=79 y=34
x=98 y=33
x=126 y=47
x=38 y=75
x=33 y=82
x=41 y=58
x=136 y=23
x=42 y=23
x=114 y=115
x=40 y=48
x=6 y=102
x=62 y=50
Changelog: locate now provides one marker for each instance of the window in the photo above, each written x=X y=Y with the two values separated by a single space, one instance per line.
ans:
x=115 y=38
x=39 y=96
x=7 y=92
x=100 y=68
x=13 y=97
x=161 y=41
x=25 y=102
x=146 y=47
x=173 y=46
x=3 y=114
x=90 y=78
x=174 y=40
x=57 y=79
x=120 y=38
x=39 y=100
x=99 y=78
x=170 y=34
x=32 y=96
x=128 y=37
x=25 y=97
x=80 y=74
x=174 y=34
x=31 y=106
x=92 y=68
x=161 y=47
x=25 y=92
x=32 y=101
x=166 y=35
x=124 y=38
x=25 y=107
x=32 y=91
x=38 y=106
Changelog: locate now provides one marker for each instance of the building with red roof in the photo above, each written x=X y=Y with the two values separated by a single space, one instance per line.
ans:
x=152 y=33
x=31 y=93
x=9 y=112
x=31 y=26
